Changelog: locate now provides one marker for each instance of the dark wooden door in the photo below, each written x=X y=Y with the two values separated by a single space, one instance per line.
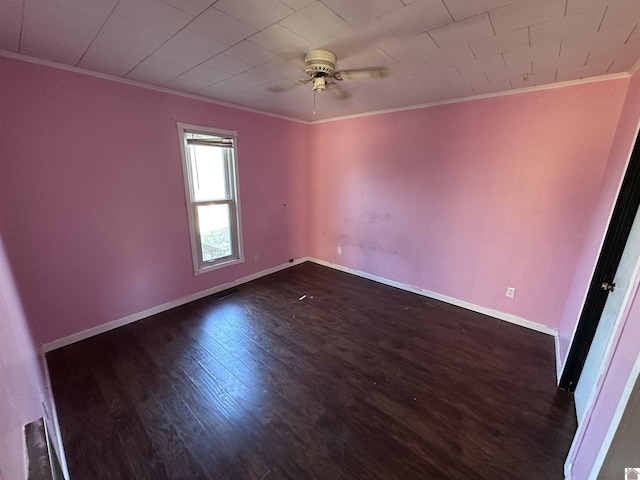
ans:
x=603 y=279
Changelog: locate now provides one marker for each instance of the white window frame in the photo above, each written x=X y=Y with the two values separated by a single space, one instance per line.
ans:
x=199 y=265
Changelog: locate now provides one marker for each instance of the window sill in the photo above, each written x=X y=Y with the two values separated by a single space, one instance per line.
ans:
x=216 y=266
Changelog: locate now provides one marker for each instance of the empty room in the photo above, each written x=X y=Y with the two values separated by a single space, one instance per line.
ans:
x=304 y=239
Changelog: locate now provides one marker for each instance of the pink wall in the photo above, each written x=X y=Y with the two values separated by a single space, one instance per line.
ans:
x=92 y=205
x=463 y=200
x=607 y=195
x=21 y=383
x=626 y=346
x=467 y=199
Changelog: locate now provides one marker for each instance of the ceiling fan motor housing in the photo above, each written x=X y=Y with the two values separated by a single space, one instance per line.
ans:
x=320 y=63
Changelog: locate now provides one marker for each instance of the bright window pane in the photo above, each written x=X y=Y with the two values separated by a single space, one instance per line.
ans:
x=215 y=231
x=208 y=171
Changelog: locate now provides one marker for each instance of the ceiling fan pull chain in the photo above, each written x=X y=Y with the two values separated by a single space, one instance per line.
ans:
x=314 y=102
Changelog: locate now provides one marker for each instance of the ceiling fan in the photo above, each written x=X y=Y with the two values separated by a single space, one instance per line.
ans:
x=320 y=66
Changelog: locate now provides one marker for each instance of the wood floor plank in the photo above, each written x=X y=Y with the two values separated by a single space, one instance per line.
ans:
x=355 y=380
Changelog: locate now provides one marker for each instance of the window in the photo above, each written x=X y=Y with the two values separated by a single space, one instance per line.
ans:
x=211 y=186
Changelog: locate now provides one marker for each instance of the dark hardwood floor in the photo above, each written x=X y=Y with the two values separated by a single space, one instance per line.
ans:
x=356 y=381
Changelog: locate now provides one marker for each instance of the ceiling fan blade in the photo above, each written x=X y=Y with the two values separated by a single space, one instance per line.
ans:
x=283 y=87
x=362 y=73
x=338 y=91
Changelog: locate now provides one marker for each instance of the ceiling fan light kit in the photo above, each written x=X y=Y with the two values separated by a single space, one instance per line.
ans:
x=320 y=62
x=320 y=66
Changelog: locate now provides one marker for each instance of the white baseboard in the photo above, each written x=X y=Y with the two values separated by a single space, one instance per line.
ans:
x=558 y=359
x=76 y=337
x=51 y=413
x=507 y=317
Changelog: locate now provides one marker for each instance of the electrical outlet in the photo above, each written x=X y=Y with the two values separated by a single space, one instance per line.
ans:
x=256 y=257
x=339 y=250
x=511 y=292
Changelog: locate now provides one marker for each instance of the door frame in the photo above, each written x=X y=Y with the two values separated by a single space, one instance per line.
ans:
x=615 y=240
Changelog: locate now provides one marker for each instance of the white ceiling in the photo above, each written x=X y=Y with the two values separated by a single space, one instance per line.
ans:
x=233 y=50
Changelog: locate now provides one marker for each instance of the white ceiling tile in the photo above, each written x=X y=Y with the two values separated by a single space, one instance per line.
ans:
x=541 y=51
x=460 y=87
x=10 y=23
x=525 y=13
x=635 y=35
x=236 y=84
x=416 y=46
x=359 y=11
x=488 y=64
x=461 y=9
x=586 y=71
x=192 y=7
x=623 y=58
x=179 y=56
x=156 y=71
x=408 y=67
x=438 y=87
x=624 y=61
x=197 y=78
x=113 y=55
x=452 y=56
x=154 y=14
x=577 y=6
x=517 y=78
x=55 y=52
x=465 y=31
x=148 y=40
x=218 y=25
x=250 y=95
x=542 y=78
x=517 y=71
x=277 y=69
x=279 y=39
x=571 y=56
x=55 y=33
x=98 y=9
x=297 y=4
x=227 y=64
x=482 y=85
x=250 y=53
x=151 y=77
x=314 y=22
x=193 y=42
x=257 y=13
x=413 y=84
x=417 y=17
x=610 y=38
x=169 y=65
x=115 y=66
x=578 y=24
x=441 y=74
x=369 y=58
x=504 y=42
x=134 y=32
x=359 y=39
x=621 y=16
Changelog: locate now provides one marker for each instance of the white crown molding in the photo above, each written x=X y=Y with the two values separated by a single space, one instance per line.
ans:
x=104 y=76
x=549 y=86
x=133 y=83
